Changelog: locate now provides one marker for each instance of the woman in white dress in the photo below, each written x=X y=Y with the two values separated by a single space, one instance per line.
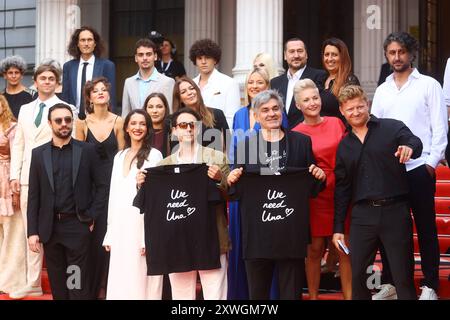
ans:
x=124 y=239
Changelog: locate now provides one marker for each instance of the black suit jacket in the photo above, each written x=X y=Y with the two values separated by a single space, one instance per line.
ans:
x=89 y=183
x=280 y=83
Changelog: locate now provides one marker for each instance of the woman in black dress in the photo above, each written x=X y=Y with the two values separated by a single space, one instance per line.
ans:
x=336 y=61
x=104 y=129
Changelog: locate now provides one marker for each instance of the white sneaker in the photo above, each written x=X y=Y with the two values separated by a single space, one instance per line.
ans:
x=428 y=294
x=387 y=292
x=27 y=291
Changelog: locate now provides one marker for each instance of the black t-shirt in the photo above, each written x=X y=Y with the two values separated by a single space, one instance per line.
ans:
x=274 y=155
x=275 y=214
x=180 y=220
x=17 y=100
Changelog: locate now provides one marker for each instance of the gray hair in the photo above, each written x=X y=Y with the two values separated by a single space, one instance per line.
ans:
x=51 y=62
x=13 y=62
x=302 y=85
x=264 y=97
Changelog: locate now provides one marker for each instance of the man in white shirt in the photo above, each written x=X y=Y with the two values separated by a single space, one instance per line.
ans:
x=296 y=56
x=218 y=90
x=147 y=80
x=446 y=87
x=32 y=131
x=418 y=101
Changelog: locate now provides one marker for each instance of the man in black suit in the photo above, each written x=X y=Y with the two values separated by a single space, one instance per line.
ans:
x=62 y=204
x=296 y=57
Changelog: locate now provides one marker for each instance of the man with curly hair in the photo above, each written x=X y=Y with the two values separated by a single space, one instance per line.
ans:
x=86 y=47
x=13 y=68
x=418 y=101
x=218 y=90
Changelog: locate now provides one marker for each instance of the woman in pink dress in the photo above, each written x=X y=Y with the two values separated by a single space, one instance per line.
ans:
x=325 y=133
x=12 y=242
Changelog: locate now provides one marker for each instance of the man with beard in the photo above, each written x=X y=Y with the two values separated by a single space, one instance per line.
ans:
x=296 y=57
x=62 y=204
x=32 y=131
x=418 y=101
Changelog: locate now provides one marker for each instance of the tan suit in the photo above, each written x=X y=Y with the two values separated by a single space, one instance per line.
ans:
x=28 y=137
x=131 y=93
x=214 y=282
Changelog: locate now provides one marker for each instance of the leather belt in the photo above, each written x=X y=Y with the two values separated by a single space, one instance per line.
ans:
x=385 y=202
x=64 y=215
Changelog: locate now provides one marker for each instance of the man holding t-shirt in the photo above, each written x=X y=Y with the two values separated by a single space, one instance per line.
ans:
x=274 y=151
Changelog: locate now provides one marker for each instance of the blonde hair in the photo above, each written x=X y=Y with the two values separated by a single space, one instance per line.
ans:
x=351 y=92
x=6 y=117
x=263 y=73
x=302 y=85
x=268 y=62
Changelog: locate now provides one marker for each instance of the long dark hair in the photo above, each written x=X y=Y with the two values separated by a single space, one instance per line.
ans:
x=146 y=146
x=207 y=116
x=345 y=67
x=163 y=98
x=73 y=49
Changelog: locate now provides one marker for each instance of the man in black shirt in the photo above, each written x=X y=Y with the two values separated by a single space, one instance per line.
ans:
x=274 y=151
x=62 y=204
x=371 y=177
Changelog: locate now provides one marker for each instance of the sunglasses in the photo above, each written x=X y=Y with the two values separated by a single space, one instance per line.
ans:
x=185 y=125
x=67 y=120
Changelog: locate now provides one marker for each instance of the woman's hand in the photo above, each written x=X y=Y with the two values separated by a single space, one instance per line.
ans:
x=140 y=178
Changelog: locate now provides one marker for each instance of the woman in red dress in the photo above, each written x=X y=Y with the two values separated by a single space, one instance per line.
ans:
x=325 y=133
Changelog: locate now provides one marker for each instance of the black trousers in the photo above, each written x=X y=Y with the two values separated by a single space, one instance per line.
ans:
x=66 y=257
x=260 y=272
x=392 y=226
x=421 y=197
x=98 y=258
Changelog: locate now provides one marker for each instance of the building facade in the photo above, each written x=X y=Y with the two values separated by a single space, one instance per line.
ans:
x=243 y=28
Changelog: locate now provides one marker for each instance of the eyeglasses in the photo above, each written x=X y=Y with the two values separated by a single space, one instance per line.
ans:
x=184 y=125
x=67 y=120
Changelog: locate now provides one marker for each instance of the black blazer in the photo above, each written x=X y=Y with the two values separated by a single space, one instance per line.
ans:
x=280 y=83
x=89 y=182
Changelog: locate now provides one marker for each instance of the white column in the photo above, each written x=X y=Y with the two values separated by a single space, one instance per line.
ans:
x=374 y=21
x=200 y=22
x=56 y=21
x=259 y=29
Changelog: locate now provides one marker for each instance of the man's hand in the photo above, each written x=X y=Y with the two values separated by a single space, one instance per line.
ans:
x=34 y=244
x=234 y=176
x=15 y=186
x=142 y=252
x=317 y=173
x=336 y=237
x=431 y=171
x=215 y=173
x=107 y=248
x=404 y=153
